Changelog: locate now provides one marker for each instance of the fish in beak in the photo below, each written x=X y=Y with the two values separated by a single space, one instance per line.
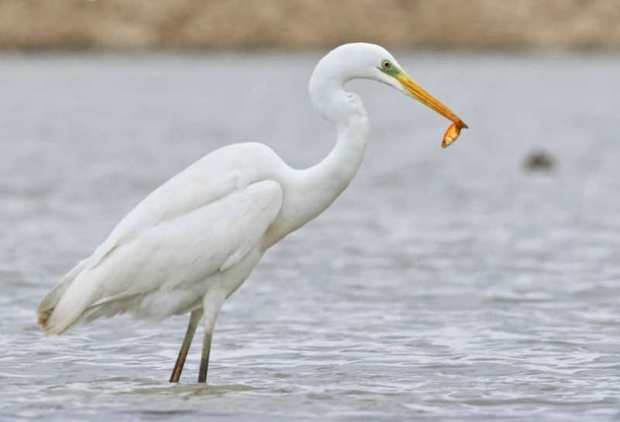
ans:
x=417 y=92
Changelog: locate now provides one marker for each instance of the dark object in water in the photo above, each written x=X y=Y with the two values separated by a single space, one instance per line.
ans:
x=539 y=161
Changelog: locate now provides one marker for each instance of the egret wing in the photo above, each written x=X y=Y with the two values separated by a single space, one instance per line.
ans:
x=166 y=268
x=211 y=178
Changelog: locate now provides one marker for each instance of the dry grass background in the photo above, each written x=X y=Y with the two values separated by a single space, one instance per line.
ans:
x=471 y=24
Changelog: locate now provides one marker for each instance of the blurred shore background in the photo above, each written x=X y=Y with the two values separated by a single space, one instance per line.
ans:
x=246 y=24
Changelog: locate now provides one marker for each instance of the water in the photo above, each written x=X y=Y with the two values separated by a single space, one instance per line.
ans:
x=443 y=285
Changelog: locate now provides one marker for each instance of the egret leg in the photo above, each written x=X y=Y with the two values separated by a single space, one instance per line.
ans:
x=204 y=361
x=187 y=342
x=212 y=304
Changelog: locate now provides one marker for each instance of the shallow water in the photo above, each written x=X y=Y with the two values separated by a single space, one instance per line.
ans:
x=443 y=285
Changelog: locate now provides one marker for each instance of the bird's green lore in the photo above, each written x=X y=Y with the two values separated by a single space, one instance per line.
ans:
x=389 y=68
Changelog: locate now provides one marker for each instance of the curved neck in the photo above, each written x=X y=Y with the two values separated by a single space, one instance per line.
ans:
x=332 y=175
x=310 y=191
x=325 y=181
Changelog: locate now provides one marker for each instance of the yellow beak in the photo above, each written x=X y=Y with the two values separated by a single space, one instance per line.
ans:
x=420 y=94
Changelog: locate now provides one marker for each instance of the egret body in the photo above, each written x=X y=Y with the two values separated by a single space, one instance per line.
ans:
x=194 y=240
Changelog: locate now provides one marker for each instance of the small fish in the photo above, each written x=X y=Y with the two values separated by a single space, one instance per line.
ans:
x=452 y=133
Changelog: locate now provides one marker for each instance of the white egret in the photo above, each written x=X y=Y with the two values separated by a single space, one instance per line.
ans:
x=194 y=240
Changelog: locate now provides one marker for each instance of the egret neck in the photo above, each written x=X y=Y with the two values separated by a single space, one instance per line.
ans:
x=314 y=189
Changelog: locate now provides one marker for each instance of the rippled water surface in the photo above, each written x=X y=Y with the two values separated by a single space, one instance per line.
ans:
x=443 y=285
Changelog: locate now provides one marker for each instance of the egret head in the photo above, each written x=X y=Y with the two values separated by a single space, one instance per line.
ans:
x=370 y=61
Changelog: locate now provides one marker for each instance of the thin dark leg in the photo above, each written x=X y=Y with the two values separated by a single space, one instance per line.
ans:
x=194 y=318
x=204 y=361
x=211 y=304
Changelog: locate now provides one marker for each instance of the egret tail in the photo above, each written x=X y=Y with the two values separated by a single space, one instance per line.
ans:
x=49 y=302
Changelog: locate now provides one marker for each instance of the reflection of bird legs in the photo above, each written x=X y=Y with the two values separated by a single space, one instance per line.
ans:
x=194 y=318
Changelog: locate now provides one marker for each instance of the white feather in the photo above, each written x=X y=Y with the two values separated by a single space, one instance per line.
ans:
x=204 y=220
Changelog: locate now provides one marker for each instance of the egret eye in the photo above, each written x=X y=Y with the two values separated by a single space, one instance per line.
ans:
x=386 y=64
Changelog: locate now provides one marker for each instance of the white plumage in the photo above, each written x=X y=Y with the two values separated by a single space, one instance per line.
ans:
x=162 y=257
x=194 y=240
